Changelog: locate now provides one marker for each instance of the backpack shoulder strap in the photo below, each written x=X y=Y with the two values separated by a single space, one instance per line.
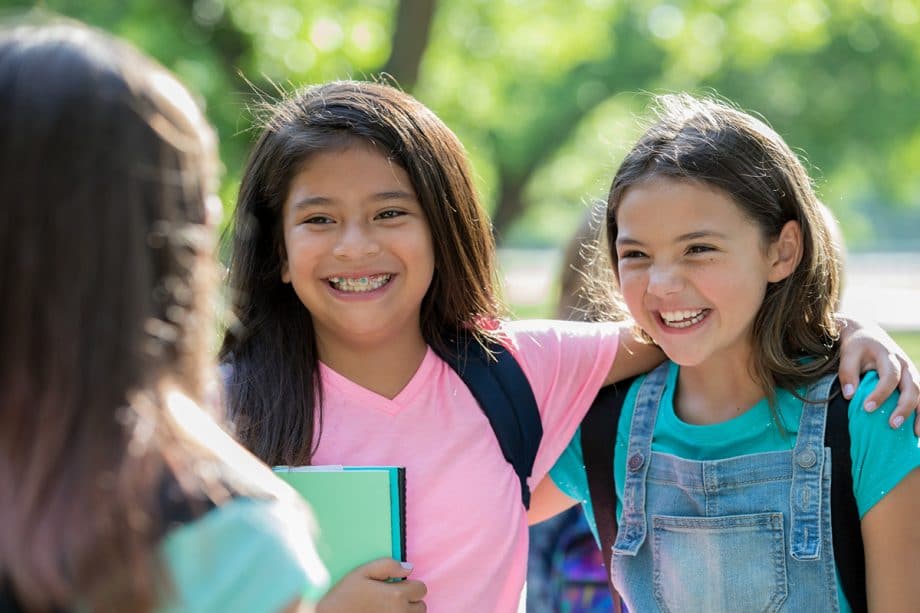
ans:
x=845 y=526
x=503 y=392
x=598 y=439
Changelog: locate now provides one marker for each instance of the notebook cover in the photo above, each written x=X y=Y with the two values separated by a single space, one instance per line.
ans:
x=360 y=511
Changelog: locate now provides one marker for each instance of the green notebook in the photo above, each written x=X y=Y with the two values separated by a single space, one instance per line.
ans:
x=361 y=512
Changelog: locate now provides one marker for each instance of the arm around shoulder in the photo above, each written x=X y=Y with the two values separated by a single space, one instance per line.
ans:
x=634 y=356
x=547 y=501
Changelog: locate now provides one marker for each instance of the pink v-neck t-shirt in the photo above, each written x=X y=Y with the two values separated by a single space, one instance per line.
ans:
x=466 y=528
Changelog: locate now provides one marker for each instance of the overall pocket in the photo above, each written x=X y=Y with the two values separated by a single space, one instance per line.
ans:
x=734 y=563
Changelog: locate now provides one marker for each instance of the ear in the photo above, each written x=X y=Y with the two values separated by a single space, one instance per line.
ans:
x=785 y=252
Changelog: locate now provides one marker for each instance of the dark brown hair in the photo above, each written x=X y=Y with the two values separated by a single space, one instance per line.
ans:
x=107 y=281
x=709 y=142
x=273 y=381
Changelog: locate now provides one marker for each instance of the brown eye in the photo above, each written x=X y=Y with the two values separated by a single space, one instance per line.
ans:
x=318 y=219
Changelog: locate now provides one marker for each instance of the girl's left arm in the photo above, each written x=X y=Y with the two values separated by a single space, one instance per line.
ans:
x=868 y=347
x=891 y=537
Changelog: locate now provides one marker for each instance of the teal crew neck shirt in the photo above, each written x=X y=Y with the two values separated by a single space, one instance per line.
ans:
x=881 y=457
x=244 y=556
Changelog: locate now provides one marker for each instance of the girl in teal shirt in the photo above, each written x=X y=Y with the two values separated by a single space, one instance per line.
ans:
x=117 y=491
x=722 y=480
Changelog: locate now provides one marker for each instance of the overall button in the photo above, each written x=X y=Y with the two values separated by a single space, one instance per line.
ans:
x=806 y=459
x=635 y=462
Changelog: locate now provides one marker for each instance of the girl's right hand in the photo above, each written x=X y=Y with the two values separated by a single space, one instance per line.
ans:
x=366 y=589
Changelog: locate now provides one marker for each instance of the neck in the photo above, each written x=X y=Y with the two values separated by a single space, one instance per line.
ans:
x=383 y=368
x=716 y=391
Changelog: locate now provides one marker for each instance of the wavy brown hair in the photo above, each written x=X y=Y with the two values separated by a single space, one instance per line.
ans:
x=107 y=281
x=273 y=388
x=709 y=142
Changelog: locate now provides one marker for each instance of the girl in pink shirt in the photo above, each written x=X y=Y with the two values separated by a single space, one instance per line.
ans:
x=359 y=246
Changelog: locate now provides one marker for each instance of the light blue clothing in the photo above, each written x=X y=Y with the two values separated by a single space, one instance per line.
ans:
x=245 y=556
x=881 y=456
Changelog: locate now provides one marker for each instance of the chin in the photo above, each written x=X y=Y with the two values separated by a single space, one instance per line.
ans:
x=683 y=358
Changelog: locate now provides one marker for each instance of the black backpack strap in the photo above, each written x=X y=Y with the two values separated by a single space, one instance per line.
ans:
x=503 y=392
x=845 y=525
x=598 y=439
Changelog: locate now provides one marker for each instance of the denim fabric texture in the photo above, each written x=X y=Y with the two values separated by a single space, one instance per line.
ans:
x=748 y=533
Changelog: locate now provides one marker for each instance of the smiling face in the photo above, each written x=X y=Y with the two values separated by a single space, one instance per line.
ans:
x=693 y=269
x=358 y=247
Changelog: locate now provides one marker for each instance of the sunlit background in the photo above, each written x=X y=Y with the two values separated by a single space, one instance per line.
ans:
x=547 y=96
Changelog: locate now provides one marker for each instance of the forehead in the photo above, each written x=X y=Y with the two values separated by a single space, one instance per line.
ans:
x=355 y=170
x=664 y=208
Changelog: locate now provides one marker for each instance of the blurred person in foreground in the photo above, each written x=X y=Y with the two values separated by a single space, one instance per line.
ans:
x=117 y=491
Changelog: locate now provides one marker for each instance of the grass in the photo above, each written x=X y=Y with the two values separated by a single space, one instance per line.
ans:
x=910 y=341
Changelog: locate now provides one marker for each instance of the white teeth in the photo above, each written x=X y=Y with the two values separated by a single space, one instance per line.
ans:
x=682 y=319
x=359 y=284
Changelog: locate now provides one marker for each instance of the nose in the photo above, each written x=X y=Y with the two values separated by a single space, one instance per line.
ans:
x=664 y=280
x=355 y=241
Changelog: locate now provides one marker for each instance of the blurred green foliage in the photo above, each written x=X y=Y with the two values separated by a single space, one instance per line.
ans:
x=546 y=94
x=910 y=341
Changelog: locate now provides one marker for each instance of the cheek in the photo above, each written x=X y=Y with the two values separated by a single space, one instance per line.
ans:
x=632 y=288
x=421 y=249
x=302 y=252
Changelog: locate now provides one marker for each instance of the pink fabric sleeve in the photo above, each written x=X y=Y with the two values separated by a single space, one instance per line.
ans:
x=566 y=363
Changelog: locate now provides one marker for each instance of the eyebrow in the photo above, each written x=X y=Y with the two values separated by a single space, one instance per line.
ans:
x=689 y=236
x=310 y=201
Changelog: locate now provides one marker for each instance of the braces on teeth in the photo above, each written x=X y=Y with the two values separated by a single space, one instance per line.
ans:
x=359 y=284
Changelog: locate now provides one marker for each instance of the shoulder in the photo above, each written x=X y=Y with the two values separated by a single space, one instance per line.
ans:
x=882 y=456
x=877 y=420
x=245 y=555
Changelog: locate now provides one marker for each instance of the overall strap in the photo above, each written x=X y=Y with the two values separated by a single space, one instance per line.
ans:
x=845 y=525
x=598 y=438
x=633 y=527
x=807 y=473
x=504 y=394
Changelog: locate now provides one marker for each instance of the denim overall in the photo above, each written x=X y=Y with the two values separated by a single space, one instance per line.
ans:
x=749 y=533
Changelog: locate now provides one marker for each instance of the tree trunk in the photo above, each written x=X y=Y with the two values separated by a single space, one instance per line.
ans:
x=409 y=41
x=509 y=205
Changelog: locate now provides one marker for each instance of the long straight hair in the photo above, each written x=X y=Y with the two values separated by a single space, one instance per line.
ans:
x=273 y=387
x=711 y=143
x=107 y=283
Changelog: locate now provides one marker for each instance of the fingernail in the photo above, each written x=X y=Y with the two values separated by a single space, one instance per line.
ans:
x=406 y=565
x=848 y=390
x=897 y=421
x=870 y=406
